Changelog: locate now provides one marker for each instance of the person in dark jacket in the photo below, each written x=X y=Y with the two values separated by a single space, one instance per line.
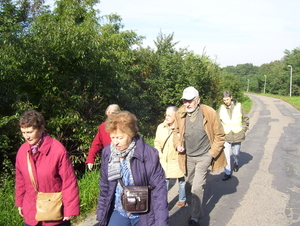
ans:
x=133 y=161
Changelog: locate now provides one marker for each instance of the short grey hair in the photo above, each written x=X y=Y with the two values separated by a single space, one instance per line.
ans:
x=172 y=108
x=113 y=108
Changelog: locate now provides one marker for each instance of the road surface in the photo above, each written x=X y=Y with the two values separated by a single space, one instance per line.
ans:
x=266 y=189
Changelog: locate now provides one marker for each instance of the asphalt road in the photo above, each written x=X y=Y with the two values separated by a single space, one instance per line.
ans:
x=266 y=189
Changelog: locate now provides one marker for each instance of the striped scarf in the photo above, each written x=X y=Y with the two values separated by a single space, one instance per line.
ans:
x=114 y=168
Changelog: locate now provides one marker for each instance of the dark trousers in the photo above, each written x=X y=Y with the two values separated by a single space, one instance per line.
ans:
x=117 y=219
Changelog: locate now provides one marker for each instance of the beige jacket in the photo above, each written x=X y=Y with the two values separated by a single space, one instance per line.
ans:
x=168 y=156
x=213 y=129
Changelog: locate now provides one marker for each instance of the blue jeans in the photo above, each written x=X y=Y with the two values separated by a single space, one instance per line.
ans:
x=117 y=219
x=235 y=147
x=65 y=223
x=181 y=188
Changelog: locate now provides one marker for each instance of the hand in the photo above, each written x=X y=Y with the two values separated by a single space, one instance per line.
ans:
x=180 y=149
x=90 y=166
x=68 y=218
x=20 y=211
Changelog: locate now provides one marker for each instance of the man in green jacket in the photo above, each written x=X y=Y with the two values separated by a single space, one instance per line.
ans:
x=199 y=139
x=235 y=123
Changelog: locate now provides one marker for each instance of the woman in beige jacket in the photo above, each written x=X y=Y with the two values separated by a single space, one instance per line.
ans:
x=168 y=155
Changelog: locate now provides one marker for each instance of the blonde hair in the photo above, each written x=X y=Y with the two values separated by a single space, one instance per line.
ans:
x=124 y=121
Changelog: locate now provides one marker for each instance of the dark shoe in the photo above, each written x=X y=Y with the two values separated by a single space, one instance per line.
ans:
x=193 y=223
x=226 y=177
x=235 y=167
x=181 y=204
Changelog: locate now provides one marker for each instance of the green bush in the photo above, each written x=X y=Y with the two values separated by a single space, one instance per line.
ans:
x=88 y=193
x=9 y=212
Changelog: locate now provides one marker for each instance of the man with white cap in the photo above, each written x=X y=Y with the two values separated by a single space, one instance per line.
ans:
x=199 y=138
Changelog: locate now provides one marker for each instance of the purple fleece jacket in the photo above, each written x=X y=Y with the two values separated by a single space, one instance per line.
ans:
x=146 y=170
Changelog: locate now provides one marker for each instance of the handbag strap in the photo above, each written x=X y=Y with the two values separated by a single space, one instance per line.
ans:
x=30 y=172
x=122 y=184
x=162 y=150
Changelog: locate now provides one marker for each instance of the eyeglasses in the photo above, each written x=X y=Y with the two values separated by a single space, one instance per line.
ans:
x=184 y=101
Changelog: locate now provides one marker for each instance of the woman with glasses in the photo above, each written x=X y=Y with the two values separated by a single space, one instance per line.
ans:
x=168 y=156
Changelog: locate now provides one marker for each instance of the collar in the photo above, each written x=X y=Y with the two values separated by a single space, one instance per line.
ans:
x=45 y=146
x=165 y=124
x=140 y=146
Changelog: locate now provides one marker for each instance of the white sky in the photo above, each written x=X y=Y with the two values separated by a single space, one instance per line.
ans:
x=230 y=31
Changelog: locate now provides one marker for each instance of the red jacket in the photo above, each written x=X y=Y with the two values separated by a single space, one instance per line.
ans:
x=101 y=140
x=53 y=172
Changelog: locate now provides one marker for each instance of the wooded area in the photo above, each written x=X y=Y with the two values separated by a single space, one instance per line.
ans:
x=70 y=63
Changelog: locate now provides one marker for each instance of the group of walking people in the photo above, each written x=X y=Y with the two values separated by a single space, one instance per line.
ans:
x=189 y=140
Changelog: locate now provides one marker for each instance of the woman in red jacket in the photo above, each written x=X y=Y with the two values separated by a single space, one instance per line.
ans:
x=51 y=168
x=101 y=139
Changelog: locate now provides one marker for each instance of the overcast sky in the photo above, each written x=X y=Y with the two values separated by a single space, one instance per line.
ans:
x=230 y=31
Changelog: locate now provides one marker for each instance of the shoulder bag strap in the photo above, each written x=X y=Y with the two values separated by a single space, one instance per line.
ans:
x=122 y=184
x=30 y=172
x=162 y=150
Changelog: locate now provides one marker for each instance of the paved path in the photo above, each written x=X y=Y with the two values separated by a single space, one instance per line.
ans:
x=266 y=190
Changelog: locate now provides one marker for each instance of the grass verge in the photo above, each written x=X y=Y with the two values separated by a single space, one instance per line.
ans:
x=293 y=100
x=88 y=193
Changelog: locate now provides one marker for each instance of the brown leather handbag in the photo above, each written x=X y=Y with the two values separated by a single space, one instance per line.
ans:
x=135 y=199
x=48 y=205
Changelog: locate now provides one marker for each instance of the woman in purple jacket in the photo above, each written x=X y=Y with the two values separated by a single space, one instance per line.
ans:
x=129 y=158
x=51 y=168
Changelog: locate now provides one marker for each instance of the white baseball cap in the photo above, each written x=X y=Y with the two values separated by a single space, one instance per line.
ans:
x=189 y=93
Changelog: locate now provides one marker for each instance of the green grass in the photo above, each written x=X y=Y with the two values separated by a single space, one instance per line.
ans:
x=88 y=192
x=293 y=100
x=9 y=214
x=247 y=104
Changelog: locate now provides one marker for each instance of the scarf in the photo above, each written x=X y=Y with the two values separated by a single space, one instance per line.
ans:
x=114 y=168
x=34 y=148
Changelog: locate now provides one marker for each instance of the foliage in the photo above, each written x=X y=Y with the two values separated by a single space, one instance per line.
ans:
x=278 y=74
x=232 y=83
x=89 y=192
x=9 y=212
x=247 y=104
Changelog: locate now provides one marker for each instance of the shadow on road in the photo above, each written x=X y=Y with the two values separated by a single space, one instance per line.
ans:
x=214 y=190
